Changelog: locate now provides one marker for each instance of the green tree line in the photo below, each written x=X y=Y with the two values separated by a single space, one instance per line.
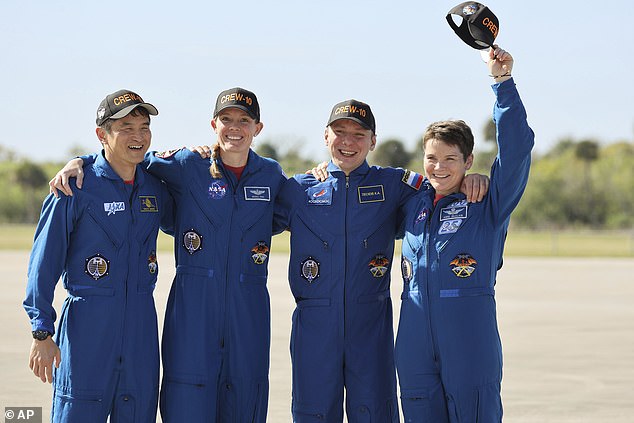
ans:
x=576 y=184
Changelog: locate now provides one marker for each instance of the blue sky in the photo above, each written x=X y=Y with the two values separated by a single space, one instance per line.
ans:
x=574 y=67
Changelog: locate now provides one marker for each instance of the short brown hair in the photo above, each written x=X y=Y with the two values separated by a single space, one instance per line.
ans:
x=452 y=132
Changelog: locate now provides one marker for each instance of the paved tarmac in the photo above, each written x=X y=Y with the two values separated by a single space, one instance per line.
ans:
x=567 y=328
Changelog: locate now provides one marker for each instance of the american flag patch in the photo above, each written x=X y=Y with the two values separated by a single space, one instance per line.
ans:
x=413 y=179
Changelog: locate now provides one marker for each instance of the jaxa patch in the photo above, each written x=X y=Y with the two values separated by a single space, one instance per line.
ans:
x=217 y=190
x=152 y=264
x=97 y=266
x=422 y=215
x=320 y=195
x=257 y=193
x=114 y=207
x=413 y=179
x=371 y=194
x=168 y=153
x=406 y=269
x=450 y=226
x=260 y=252
x=148 y=204
x=456 y=210
x=310 y=269
x=192 y=241
x=379 y=265
x=463 y=265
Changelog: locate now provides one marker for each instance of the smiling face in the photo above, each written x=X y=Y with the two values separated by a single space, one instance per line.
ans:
x=445 y=166
x=349 y=144
x=235 y=130
x=126 y=142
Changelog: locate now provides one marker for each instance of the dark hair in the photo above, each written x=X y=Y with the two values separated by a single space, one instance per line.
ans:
x=138 y=111
x=452 y=132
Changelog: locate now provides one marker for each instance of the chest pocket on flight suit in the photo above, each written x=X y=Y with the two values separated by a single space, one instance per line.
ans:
x=256 y=223
x=80 y=282
x=463 y=272
x=311 y=242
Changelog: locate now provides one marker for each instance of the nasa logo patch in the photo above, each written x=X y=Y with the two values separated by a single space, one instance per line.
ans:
x=217 y=190
x=422 y=215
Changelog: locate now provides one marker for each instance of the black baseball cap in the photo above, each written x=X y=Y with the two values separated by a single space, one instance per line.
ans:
x=353 y=110
x=479 y=25
x=119 y=104
x=239 y=98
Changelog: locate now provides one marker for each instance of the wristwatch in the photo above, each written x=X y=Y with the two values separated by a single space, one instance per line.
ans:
x=41 y=335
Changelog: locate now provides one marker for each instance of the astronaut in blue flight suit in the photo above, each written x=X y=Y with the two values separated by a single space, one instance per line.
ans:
x=448 y=350
x=102 y=242
x=216 y=339
x=342 y=243
x=216 y=335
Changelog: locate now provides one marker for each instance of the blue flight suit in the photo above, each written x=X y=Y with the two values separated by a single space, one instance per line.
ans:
x=102 y=241
x=448 y=350
x=216 y=337
x=342 y=243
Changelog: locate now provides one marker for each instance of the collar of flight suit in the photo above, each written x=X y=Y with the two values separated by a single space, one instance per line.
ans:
x=363 y=168
x=103 y=169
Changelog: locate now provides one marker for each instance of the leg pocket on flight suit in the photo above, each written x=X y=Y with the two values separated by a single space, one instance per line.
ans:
x=124 y=410
x=307 y=414
x=416 y=406
x=79 y=407
x=261 y=403
x=368 y=412
x=360 y=414
x=187 y=400
x=243 y=404
x=483 y=404
x=489 y=408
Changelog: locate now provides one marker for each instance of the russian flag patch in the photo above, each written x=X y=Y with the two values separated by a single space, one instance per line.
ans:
x=413 y=179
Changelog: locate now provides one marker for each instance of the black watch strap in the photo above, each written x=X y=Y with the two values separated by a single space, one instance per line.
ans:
x=41 y=335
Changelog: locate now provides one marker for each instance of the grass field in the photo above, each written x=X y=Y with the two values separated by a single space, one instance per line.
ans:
x=519 y=243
